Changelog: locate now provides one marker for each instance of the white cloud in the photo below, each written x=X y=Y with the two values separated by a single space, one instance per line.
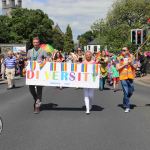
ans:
x=80 y=14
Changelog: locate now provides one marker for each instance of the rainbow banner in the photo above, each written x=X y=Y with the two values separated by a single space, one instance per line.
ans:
x=95 y=68
x=84 y=68
x=52 y=66
x=63 y=74
x=63 y=66
x=42 y=65
x=32 y=65
x=74 y=67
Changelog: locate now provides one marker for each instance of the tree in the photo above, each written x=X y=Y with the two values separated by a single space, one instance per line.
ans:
x=26 y=24
x=114 y=30
x=68 y=40
x=4 y=29
x=85 y=38
x=58 y=39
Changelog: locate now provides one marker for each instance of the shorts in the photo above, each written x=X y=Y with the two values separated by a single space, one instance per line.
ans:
x=116 y=79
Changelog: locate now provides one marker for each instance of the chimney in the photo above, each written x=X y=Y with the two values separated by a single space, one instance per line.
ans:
x=20 y=3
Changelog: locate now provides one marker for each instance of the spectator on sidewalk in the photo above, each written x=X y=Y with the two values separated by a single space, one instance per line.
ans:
x=2 y=67
x=10 y=64
x=21 y=65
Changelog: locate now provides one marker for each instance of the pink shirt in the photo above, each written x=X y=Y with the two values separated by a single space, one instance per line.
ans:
x=88 y=62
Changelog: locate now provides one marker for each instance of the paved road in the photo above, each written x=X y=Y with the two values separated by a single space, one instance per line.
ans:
x=63 y=124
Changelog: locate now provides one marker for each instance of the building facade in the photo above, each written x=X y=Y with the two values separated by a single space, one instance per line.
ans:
x=93 y=46
x=9 y=5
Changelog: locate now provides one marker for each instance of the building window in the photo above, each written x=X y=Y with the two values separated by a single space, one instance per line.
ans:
x=89 y=47
x=95 y=48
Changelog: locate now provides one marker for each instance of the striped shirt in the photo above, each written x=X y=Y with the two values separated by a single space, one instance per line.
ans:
x=10 y=63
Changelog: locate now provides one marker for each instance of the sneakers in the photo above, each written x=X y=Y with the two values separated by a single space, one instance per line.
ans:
x=87 y=112
x=127 y=110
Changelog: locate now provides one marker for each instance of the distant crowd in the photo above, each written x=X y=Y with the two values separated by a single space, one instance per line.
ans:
x=114 y=69
x=106 y=59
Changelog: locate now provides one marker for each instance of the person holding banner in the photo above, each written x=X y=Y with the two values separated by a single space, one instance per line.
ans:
x=126 y=67
x=88 y=92
x=36 y=54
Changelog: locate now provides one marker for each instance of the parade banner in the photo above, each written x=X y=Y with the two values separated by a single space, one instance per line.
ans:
x=19 y=49
x=63 y=74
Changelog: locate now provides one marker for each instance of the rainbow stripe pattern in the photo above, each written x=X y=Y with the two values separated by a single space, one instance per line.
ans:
x=48 y=48
x=32 y=65
x=63 y=66
x=74 y=67
x=95 y=68
x=42 y=65
x=53 y=67
x=84 y=68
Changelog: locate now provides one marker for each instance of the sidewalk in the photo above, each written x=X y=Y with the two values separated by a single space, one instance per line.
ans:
x=145 y=81
x=5 y=81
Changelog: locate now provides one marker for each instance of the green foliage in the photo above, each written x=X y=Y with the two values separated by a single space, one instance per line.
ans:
x=114 y=30
x=85 y=38
x=68 y=40
x=26 y=24
x=4 y=29
x=58 y=39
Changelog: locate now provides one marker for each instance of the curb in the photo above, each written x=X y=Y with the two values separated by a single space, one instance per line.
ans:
x=142 y=83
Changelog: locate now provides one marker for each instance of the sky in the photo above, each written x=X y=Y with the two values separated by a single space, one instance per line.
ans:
x=79 y=14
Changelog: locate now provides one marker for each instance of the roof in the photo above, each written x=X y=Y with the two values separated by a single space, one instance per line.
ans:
x=58 y=28
x=94 y=42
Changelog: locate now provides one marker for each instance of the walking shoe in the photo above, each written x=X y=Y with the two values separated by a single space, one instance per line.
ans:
x=36 y=110
x=37 y=107
x=9 y=88
x=87 y=112
x=127 y=110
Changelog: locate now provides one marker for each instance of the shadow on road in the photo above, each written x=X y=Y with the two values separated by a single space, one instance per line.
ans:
x=106 y=88
x=52 y=106
x=132 y=106
x=18 y=87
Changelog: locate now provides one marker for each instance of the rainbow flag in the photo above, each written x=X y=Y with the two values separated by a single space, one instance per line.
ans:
x=95 y=68
x=32 y=65
x=74 y=67
x=53 y=67
x=84 y=68
x=63 y=66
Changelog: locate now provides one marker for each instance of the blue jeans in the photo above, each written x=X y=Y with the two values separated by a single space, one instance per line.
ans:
x=102 y=83
x=128 y=89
